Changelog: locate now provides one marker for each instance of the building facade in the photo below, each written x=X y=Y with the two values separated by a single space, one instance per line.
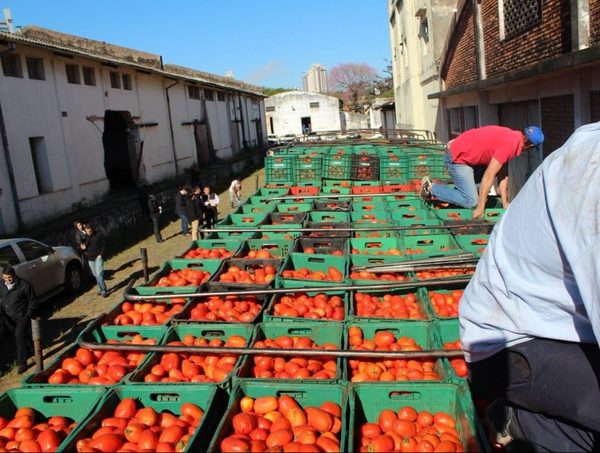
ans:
x=80 y=118
x=418 y=31
x=298 y=112
x=520 y=63
x=315 y=79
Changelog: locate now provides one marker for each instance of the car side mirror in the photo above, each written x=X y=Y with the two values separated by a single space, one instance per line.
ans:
x=50 y=251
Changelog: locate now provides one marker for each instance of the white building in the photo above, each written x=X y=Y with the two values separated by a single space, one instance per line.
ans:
x=81 y=117
x=418 y=32
x=295 y=112
x=382 y=114
x=315 y=79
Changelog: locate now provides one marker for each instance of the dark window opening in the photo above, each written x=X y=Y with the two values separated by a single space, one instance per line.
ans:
x=11 y=66
x=220 y=96
x=194 y=92
x=209 y=95
x=73 y=74
x=115 y=80
x=89 y=76
x=41 y=164
x=127 y=82
x=35 y=68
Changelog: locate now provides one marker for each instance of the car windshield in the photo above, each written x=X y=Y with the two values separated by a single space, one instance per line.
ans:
x=33 y=250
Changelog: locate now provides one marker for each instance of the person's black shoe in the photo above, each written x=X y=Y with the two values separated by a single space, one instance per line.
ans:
x=504 y=425
x=159 y=240
x=105 y=295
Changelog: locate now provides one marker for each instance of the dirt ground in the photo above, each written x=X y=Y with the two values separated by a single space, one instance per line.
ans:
x=64 y=317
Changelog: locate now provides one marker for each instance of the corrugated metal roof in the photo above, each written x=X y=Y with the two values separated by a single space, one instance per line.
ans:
x=131 y=58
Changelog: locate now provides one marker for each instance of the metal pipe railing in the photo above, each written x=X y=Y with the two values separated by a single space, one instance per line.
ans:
x=128 y=295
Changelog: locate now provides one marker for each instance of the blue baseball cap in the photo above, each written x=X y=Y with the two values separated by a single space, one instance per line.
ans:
x=534 y=134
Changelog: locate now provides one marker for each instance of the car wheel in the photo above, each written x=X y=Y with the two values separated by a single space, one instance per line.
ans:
x=73 y=278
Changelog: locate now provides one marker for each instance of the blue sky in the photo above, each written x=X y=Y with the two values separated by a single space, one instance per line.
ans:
x=270 y=43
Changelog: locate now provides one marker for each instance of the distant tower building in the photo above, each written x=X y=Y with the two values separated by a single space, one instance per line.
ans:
x=315 y=79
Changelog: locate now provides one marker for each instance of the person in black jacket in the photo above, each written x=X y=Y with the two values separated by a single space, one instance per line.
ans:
x=94 y=251
x=181 y=208
x=155 y=210
x=16 y=307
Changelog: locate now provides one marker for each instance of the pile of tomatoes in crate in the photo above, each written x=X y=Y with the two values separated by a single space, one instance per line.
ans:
x=148 y=313
x=252 y=275
x=269 y=423
x=184 y=277
x=242 y=309
x=26 y=431
x=301 y=305
x=134 y=428
x=389 y=306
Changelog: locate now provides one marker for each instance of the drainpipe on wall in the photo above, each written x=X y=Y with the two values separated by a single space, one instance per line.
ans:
x=11 y=174
x=479 y=43
x=171 y=126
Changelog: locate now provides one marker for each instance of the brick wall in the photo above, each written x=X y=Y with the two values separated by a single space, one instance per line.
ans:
x=462 y=67
x=594 y=106
x=558 y=121
x=595 y=22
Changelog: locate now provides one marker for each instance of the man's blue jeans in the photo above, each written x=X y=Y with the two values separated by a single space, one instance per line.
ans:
x=97 y=267
x=185 y=223
x=465 y=194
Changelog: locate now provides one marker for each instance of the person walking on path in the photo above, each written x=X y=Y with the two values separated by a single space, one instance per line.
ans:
x=94 y=248
x=196 y=210
x=530 y=316
x=181 y=208
x=155 y=210
x=16 y=308
x=485 y=150
x=235 y=193
x=211 y=201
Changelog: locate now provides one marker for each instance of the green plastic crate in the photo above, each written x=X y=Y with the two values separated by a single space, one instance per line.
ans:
x=255 y=199
x=334 y=229
x=409 y=204
x=184 y=317
x=279 y=168
x=306 y=394
x=279 y=248
x=393 y=168
x=108 y=330
x=211 y=266
x=308 y=169
x=374 y=246
x=295 y=261
x=294 y=207
x=209 y=331
x=473 y=242
x=274 y=300
x=365 y=260
x=160 y=398
x=255 y=209
x=247 y=265
x=328 y=216
x=369 y=400
x=423 y=227
x=446 y=290
x=410 y=216
x=449 y=330
x=373 y=184
x=376 y=217
x=337 y=166
x=424 y=164
x=336 y=183
x=420 y=331
x=319 y=332
x=231 y=245
x=432 y=245
x=236 y=235
x=75 y=404
x=422 y=304
x=375 y=232
x=100 y=335
x=454 y=215
x=276 y=235
x=376 y=205
x=272 y=192
x=242 y=220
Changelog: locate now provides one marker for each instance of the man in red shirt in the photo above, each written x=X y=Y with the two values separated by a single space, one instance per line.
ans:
x=486 y=149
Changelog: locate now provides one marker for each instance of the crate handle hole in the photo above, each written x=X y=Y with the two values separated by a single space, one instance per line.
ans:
x=213 y=333
x=299 y=331
x=165 y=397
x=296 y=394
x=404 y=395
x=58 y=399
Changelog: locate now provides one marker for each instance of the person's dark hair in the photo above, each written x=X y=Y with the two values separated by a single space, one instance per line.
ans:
x=9 y=270
x=88 y=226
x=76 y=222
